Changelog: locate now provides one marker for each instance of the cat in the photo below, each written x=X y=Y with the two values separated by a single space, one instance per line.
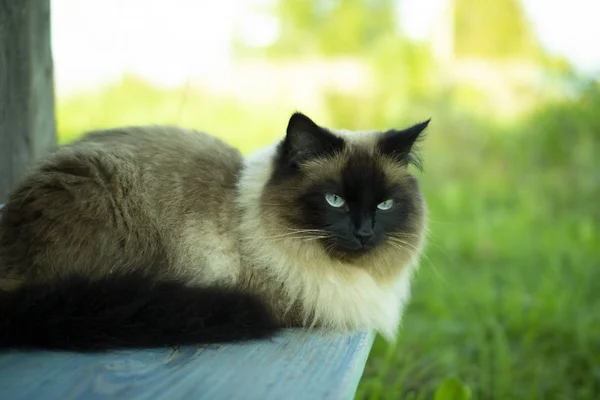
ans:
x=152 y=236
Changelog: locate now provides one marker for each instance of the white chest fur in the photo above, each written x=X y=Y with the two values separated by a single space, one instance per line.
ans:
x=333 y=295
x=348 y=299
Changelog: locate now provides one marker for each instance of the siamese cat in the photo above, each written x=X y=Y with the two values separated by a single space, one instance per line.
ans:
x=162 y=236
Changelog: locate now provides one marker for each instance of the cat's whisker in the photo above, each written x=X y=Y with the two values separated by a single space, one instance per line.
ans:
x=296 y=232
x=431 y=240
x=408 y=246
x=303 y=238
x=398 y=246
x=329 y=249
x=296 y=229
x=438 y=247
x=398 y=240
x=404 y=246
x=401 y=245
x=406 y=234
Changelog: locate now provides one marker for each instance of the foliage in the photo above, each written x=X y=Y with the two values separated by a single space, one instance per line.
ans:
x=330 y=27
x=452 y=389
x=405 y=85
x=489 y=29
x=133 y=102
x=493 y=29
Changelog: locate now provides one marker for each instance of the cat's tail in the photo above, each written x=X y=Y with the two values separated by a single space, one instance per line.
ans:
x=130 y=311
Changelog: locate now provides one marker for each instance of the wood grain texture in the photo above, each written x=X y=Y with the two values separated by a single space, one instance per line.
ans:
x=294 y=365
x=27 y=122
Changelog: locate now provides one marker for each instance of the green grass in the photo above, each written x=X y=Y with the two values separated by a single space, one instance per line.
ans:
x=507 y=297
x=506 y=301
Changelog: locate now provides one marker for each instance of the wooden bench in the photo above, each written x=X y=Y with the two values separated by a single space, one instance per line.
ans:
x=294 y=365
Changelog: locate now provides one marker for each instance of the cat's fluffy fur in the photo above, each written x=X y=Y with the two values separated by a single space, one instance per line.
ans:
x=155 y=219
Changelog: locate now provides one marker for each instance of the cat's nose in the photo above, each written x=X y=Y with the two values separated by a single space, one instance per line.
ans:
x=364 y=234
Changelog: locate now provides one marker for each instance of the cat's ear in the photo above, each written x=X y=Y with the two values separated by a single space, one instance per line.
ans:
x=305 y=139
x=400 y=143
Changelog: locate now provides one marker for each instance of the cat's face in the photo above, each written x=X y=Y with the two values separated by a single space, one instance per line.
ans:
x=352 y=193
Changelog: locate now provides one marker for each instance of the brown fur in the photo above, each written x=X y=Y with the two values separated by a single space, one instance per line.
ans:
x=117 y=200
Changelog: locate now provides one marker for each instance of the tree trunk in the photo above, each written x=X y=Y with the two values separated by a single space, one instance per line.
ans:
x=27 y=124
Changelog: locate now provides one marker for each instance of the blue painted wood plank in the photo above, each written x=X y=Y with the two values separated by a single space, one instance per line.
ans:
x=296 y=364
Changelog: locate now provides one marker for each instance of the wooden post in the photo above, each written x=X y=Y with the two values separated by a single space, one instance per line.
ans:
x=27 y=123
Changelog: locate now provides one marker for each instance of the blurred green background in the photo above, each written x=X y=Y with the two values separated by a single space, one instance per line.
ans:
x=506 y=302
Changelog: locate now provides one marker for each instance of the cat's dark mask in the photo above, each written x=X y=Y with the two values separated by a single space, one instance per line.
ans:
x=352 y=193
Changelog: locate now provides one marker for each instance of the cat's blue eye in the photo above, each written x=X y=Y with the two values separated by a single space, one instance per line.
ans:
x=386 y=205
x=334 y=200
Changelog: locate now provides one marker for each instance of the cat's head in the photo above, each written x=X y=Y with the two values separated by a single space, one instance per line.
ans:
x=350 y=192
